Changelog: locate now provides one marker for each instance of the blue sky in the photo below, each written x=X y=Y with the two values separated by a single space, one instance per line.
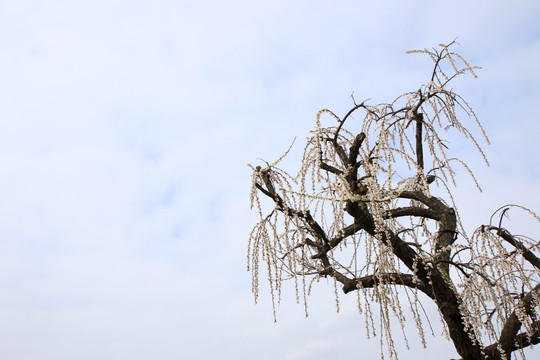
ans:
x=125 y=129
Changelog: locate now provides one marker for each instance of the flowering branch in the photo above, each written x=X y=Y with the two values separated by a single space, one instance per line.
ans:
x=360 y=211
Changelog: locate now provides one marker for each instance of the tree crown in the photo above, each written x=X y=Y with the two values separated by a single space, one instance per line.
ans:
x=360 y=211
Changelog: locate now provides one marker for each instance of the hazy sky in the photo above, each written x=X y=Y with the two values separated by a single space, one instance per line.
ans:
x=125 y=129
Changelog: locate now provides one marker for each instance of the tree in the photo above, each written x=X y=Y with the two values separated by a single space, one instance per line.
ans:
x=361 y=211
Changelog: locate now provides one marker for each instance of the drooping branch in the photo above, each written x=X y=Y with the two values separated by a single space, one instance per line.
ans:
x=339 y=150
x=507 y=236
x=387 y=278
x=344 y=233
x=270 y=191
x=349 y=113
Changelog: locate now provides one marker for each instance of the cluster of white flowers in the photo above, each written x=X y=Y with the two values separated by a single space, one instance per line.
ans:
x=309 y=210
